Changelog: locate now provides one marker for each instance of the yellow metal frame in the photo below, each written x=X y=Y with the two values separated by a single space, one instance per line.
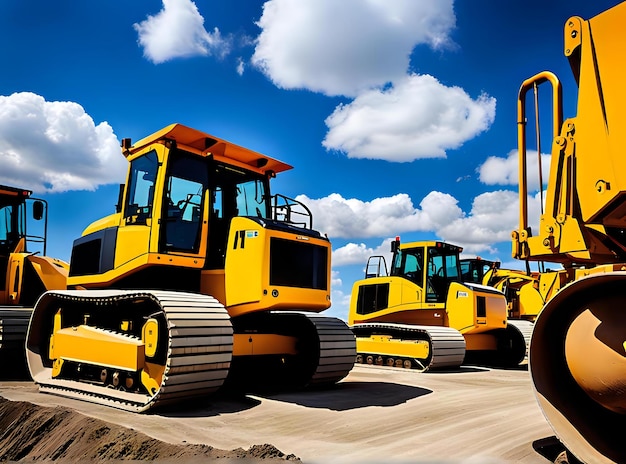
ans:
x=258 y=344
x=379 y=344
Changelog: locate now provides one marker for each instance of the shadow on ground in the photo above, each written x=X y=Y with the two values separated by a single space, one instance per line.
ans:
x=214 y=405
x=352 y=395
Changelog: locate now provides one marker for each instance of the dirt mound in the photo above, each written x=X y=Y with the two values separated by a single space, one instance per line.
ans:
x=33 y=433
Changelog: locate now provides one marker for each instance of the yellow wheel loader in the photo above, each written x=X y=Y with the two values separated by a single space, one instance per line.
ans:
x=420 y=314
x=577 y=355
x=24 y=274
x=525 y=291
x=200 y=278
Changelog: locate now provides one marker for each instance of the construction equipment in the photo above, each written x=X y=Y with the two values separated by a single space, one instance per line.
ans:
x=578 y=347
x=200 y=277
x=24 y=275
x=521 y=288
x=478 y=270
x=422 y=315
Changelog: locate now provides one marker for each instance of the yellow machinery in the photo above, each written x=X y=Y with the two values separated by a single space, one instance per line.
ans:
x=578 y=347
x=200 y=277
x=524 y=290
x=24 y=275
x=422 y=315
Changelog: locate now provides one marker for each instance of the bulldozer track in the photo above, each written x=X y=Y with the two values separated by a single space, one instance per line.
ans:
x=447 y=345
x=525 y=328
x=13 y=325
x=337 y=346
x=199 y=351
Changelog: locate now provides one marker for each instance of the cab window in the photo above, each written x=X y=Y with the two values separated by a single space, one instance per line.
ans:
x=139 y=201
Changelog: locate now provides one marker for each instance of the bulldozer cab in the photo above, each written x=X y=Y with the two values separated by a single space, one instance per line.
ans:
x=186 y=196
x=474 y=270
x=14 y=237
x=431 y=265
x=193 y=187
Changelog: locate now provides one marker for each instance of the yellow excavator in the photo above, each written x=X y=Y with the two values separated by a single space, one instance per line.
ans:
x=24 y=274
x=200 y=278
x=577 y=355
x=421 y=314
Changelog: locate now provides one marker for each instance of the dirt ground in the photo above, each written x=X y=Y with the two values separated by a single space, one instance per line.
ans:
x=30 y=432
x=471 y=415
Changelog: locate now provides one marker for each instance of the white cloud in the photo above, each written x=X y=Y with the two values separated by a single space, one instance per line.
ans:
x=354 y=253
x=345 y=47
x=340 y=305
x=492 y=218
x=361 y=49
x=178 y=31
x=381 y=217
x=241 y=66
x=505 y=171
x=416 y=118
x=494 y=215
x=55 y=146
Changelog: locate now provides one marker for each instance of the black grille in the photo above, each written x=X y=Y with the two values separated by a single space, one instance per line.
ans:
x=86 y=258
x=372 y=298
x=298 y=264
x=481 y=306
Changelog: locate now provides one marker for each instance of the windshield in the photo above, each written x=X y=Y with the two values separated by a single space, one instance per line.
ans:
x=11 y=226
x=443 y=263
x=143 y=172
x=192 y=181
x=408 y=263
x=443 y=268
x=239 y=193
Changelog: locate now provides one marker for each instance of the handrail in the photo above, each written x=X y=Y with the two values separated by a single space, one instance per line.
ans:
x=290 y=211
x=557 y=121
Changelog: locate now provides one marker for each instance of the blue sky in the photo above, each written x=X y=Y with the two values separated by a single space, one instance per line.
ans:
x=399 y=116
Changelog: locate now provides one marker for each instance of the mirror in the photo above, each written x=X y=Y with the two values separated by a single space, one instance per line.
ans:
x=38 y=210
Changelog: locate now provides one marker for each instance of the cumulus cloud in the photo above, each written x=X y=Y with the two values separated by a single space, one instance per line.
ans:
x=335 y=280
x=55 y=146
x=177 y=31
x=417 y=117
x=494 y=215
x=381 y=217
x=505 y=171
x=345 y=47
x=340 y=305
x=358 y=253
x=492 y=218
x=361 y=50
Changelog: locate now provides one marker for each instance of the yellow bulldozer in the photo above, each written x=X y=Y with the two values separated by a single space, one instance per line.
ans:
x=578 y=348
x=421 y=314
x=24 y=273
x=201 y=278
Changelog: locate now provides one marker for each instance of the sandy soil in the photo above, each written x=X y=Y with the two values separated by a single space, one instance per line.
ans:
x=30 y=432
x=377 y=414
